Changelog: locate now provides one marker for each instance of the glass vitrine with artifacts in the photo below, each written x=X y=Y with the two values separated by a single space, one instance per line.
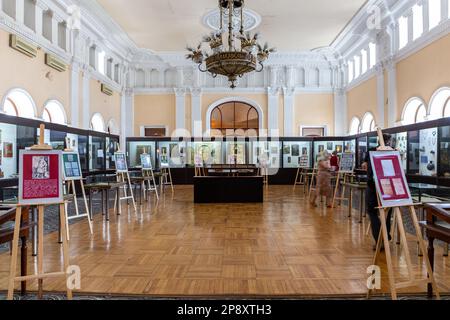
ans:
x=362 y=150
x=350 y=146
x=209 y=152
x=97 y=153
x=172 y=153
x=136 y=148
x=235 y=152
x=297 y=154
x=444 y=152
x=265 y=152
x=400 y=143
x=329 y=146
x=428 y=139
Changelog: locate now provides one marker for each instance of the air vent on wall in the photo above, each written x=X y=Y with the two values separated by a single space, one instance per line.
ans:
x=106 y=90
x=22 y=46
x=55 y=63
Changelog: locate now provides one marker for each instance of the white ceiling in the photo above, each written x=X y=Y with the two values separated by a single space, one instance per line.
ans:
x=289 y=25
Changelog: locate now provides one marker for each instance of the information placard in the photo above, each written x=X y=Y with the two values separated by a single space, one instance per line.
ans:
x=347 y=164
x=390 y=179
x=71 y=166
x=40 y=180
x=121 y=162
x=146 y=162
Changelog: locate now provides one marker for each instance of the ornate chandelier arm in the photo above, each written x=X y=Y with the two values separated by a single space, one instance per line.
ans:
x=200 y=68
x=262 y=67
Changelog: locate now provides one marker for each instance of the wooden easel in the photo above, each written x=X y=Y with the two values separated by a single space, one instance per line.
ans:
x=70 y=186
x=166 y=178
x=299 y=178
x=149 y=176
x=40 y=275
x=341 y=176
x=313 y=180
x=124 y=177
x=384 y=239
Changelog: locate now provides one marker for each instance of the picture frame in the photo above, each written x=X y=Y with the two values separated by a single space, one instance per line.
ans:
x=121 y=162
x=71 y=166
x=146 y=161
x=40 y=177
x=8 y=150
x=295 y=149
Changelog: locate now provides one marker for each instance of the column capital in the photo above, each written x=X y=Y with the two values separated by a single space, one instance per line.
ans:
x=179 y=92
x=196 y=92
x=288 y=92
x=273 y=91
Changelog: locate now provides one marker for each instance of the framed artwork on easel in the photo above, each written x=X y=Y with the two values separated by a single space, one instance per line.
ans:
x=121 y=162
x=71 y=166
x=40 y=180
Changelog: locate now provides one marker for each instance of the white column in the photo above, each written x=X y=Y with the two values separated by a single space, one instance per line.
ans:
x=380 y=96
x=288 y=95
x=74 y=95
x=409 y=16
x=86 y=100
x=273 y=114
x=40 y=7
x=273 y=76
x=444 y=10
x=196 y=106
x=392 y=92
x=68 y=39
x=126 y=116
x=340 y=112
x=290 y=77
x=148 y=78
x=161 y=77
x=56 y=20
x=180 y=108
x=426 y=18
x=180 y=77
x=20 y=11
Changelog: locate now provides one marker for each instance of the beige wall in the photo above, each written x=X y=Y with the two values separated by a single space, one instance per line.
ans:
x=362 y=99
x=20 y=71
x=314 y=110
x=107 y=106
x=423 y=73
x=154 y=110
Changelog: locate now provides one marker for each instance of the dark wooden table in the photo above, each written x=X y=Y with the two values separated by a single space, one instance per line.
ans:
x=104 y=188
x=437 y=226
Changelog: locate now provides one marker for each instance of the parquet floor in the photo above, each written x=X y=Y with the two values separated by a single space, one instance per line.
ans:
x=280 y=248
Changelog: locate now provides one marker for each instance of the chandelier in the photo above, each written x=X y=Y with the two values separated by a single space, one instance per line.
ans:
x=240 y=54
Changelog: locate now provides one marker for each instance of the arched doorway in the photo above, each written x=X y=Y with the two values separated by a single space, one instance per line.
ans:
x=234 y=118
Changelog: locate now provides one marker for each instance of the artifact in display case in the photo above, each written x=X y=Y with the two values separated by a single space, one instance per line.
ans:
x=350 y=146
x=400 y=143
x=428 y=152
x=298 y=153
x=209 y=152
x=269 y=149
x=135 y=149
x=413 y=152
x=173 y=153
x=444 y=154
x=235 y=153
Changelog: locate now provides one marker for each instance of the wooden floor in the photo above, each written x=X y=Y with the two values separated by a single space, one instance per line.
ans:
x=280 y=248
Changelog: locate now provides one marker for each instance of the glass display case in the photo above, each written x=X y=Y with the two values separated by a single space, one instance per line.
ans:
x=400 y=143
x=172 y=153
x=111 y=147
x=428 y=152
x=97 y=153
x=209 y=151
x=350 y=146
x=235 y=152
x=136 y=148
x=297 y=154
x=413 y=152
x=362 y=151
x=57 y=139
x=444 y=152
x=330 y=146
x=82 y=142
x=8 y=150
x=265 y=151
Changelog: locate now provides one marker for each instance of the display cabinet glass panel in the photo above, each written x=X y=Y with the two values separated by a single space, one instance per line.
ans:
x=136 y=148
x=97 y=153
x=413 y=152
x=297 y=154
x=329 y=146
x=8 y=150
x=82 y=151
x=209 y=151
x=265 y=151
x=444 y=152
x=57 y=139
x=400 y=143
x=362 y=150
x=111 y=148
x=373 y=143
x=350 y=146
x=173 y=153
x=235 y=152
x=428 y=152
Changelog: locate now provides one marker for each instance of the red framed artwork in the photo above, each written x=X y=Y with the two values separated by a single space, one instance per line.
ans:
x=390 y=179
x=40 y=177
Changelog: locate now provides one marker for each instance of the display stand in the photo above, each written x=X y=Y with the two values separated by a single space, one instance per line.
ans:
x=199 y=167
x=69 y=180
x=148 y=174
x=299 y=178
x=387 y=201
x=166 y=177
x=39 y=275
x=313 y=181
x=123 y=176
x=346 y=167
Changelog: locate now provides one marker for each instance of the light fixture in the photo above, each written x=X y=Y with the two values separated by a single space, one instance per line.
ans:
x=242 y=52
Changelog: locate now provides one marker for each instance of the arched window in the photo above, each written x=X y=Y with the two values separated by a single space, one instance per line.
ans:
x=54 y=112
x=414 y=111
x=19 y=103
x=438 y=103
x=368 y=123
x=97 y=123
x=235 y=118
x=111 y=127
x=354 y=126
x=447 y=109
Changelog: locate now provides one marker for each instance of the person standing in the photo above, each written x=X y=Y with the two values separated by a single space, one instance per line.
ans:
x=371 y=195
x=323 y=187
